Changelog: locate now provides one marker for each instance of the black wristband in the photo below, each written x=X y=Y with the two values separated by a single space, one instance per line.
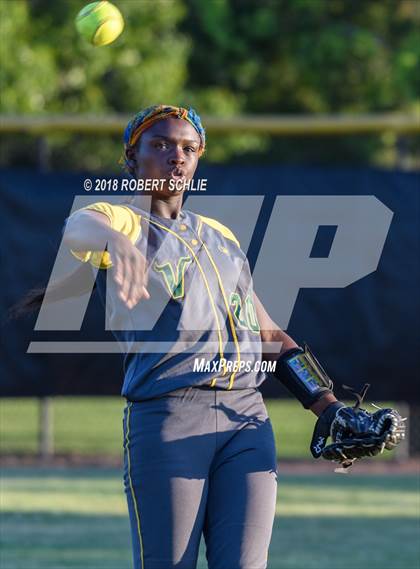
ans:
x=301 y=373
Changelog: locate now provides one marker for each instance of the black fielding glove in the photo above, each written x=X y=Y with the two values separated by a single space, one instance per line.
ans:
x=355 y=432
x=322 y=428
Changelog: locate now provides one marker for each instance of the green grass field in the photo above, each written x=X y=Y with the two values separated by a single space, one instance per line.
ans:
x=53 y=519
x=94 y=426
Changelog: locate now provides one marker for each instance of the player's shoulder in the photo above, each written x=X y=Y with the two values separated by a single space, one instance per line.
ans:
x=121 y=216
x=110 y=209
x=223 y=229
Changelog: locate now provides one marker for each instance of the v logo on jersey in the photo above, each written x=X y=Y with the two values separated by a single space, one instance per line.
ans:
x=174 y=279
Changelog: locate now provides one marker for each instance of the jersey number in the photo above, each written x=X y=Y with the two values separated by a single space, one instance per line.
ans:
x=246 y=317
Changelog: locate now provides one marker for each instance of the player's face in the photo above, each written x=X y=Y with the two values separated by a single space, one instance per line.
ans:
x=168 y=150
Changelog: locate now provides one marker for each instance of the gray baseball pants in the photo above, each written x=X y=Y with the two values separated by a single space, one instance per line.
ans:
x=200 y=461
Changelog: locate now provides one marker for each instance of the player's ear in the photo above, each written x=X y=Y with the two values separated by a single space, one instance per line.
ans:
x=131 y=160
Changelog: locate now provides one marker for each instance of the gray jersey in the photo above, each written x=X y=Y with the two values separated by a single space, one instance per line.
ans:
x=199 y=327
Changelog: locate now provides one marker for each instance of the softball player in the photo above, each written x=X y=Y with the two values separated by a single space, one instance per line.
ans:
x=199 y=453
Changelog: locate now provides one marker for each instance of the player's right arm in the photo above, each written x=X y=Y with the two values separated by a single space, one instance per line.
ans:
x=88 y=230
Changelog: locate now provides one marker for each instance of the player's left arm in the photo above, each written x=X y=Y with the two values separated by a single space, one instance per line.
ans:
x=275 y=340
x=355 y=433
x=276 y=343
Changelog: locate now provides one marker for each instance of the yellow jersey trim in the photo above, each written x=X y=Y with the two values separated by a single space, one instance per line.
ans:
x=231 y=321
x=225 y=231
x=200 y=226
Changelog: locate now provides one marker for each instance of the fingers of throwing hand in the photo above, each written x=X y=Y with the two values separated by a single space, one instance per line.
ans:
x=138 y=288
x=132 y=286
x=129 y=272
x=118 y=271
x=126 y=279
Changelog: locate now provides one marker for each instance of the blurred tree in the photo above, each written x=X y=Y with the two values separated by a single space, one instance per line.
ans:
x=48 y=68
x=224 y=57
x=305 y=56
x=28 y=72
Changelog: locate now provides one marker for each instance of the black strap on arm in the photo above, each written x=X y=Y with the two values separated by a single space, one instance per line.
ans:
x=302 y=374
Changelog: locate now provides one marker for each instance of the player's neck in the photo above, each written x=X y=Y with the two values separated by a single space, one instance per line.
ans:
x=166 y=207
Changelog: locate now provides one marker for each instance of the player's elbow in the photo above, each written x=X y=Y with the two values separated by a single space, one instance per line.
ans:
x=77 y=229
x=71 y=231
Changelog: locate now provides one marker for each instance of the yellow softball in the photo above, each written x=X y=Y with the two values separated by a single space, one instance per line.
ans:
x=100 y=23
